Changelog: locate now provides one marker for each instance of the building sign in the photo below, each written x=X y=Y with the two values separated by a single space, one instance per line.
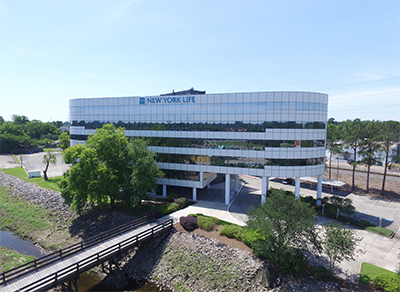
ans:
x=167 y=99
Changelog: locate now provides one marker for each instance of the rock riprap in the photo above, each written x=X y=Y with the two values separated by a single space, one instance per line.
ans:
x=46 y=198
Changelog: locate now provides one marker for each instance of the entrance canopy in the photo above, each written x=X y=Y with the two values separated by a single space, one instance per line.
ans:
x=325 y=182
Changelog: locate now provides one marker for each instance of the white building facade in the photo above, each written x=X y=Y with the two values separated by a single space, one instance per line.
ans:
x=196 y=136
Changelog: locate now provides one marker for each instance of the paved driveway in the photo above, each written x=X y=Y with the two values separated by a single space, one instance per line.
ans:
x=7 y=161
x=35 y=162
x=374 y=248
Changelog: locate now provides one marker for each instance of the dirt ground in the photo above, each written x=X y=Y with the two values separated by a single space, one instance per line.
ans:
x=392 y=184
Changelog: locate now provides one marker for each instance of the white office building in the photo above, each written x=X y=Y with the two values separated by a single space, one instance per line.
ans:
x=197 y=135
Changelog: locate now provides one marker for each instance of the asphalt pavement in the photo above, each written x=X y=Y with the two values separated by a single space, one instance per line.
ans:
x=35 y=162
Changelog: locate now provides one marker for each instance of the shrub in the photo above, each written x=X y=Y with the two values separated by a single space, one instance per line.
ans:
x=166 y=209
x=189 y=223
x=309 y=200
x=387 y=282
x=169 y=199
x=182 y=202
x=207 y=223
x=250 y=236
x=231 y=231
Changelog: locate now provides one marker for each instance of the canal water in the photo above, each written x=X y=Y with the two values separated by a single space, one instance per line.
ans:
x=7 y=239
x=86 y=282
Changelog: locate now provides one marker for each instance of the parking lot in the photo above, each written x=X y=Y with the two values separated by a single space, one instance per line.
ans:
x=35 y=162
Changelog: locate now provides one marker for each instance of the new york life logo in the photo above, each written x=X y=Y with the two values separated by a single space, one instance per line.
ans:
x=167 y=99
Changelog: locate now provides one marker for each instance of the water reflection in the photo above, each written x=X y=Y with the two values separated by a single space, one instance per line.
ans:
x=7 y=239
x=132 y=286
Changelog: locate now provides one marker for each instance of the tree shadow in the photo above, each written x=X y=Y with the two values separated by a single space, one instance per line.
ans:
x=99 y=220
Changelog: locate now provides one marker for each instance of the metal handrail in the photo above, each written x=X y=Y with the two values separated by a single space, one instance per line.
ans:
x=67 y=251
x=93 y=260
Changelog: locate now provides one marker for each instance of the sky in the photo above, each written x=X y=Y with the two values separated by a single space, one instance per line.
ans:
x=56 y=50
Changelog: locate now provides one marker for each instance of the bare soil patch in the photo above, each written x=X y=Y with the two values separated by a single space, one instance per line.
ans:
x=392 y=184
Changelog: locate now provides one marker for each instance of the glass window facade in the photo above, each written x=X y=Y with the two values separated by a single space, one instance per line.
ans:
x=257 y=133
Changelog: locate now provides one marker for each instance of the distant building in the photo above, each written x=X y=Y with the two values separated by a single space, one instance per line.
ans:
x=197 y=135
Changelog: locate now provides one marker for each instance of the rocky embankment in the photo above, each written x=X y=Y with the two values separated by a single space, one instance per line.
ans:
x=197 y=263
x=180 y=260
x=48 y=199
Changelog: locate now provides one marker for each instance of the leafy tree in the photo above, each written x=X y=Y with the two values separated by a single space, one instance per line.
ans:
x=47 y=159
x=339 y=244
x=353 y=133
x=1 y=120
x=369 y=147
x=343 y=205
x=288 y=227
x=109 y=169
x=64 y=140
x=332 y=139
x=20 y=120
x=144 y=173
x=389 y=134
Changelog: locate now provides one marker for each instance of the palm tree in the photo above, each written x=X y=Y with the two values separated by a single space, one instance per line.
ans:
x=47 y=159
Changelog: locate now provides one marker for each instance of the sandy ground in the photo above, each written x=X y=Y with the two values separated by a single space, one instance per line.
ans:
x=392 y=184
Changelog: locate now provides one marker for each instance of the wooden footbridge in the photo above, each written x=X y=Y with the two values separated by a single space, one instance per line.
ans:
x=64 y=266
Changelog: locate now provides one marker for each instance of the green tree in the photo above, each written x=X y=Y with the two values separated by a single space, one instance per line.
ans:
x=288 y=226
x=64 y=140
x=342 y=205
x=1 y=120
x=20 y=120
x=369 y=147
x=353 y=133
x=389 y=135
x=144 y=173
x=339 y=244
x=109 y=169
x=47 y=159
x=332 y=143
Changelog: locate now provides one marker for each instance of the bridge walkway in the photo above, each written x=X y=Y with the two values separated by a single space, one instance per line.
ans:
x=69 y=267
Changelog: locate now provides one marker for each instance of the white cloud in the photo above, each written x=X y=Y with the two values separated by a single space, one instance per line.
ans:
x=366 y=94
x=375 y=74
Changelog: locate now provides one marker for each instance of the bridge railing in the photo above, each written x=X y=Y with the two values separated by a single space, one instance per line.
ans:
x=88 y=263
x=67 y=251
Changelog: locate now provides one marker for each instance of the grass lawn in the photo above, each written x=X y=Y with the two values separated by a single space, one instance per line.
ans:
x=11 y=259
x=51 y=150
x=369 y=272
x=19 y=172
x=16 y=159
x=22 y=218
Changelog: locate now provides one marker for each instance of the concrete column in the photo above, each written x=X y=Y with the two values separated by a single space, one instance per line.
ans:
x=194 y=194
x=164 y=190
x=319 y=190
x=236 y=185
x=297 y=187
x=227 y=188
x=264 y=189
